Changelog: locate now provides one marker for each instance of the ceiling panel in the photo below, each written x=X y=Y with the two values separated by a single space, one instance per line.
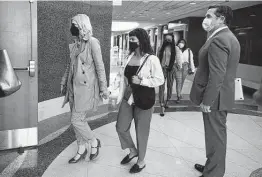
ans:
x=154 y=13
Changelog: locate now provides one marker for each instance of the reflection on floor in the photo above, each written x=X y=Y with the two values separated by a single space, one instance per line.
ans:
x=176 y=142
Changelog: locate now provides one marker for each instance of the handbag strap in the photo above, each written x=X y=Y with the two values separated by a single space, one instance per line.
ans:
x=189 y=56
x=139 y=69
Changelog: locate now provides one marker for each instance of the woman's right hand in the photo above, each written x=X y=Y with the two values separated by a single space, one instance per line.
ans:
x=62 y=89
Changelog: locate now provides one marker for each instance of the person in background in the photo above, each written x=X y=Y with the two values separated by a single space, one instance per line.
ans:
x=84 y=84
x=142 y=74
x=213 y=86
x=188 y=67
x=169 y=54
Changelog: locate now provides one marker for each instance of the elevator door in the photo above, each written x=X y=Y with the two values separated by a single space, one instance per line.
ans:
x=18 y=36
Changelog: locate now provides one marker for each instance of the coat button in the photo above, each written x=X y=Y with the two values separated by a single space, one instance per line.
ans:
x=85 y=82
x=83 y=63
x=83 y=72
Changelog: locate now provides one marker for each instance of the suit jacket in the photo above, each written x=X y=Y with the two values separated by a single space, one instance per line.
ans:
x=85 y=76
x=213 y=84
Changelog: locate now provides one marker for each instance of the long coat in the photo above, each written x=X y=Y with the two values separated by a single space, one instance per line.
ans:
x=214 y=80
x=85 y=76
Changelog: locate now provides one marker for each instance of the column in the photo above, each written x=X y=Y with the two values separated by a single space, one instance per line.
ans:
x=159 y=38
x=152 y=36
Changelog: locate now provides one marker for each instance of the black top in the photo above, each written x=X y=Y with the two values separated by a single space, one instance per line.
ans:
x=130 y=71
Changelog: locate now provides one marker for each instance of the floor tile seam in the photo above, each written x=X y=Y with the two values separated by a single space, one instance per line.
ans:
x=151 y=148
x=244 y=140
x=179 y=140
x=246 y=156
x=106 y=135
x=255 y=122
x=122 y=167
x=190 y=127
x=180 y=155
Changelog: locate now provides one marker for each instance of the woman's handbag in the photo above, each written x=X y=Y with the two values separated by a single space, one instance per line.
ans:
x=190 y=70
x=9 y=82
x=144 y=97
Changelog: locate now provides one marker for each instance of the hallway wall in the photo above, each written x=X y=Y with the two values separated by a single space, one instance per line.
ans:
x=54 y=37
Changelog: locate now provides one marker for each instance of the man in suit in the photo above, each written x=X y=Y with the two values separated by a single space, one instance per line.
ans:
x=213 y=86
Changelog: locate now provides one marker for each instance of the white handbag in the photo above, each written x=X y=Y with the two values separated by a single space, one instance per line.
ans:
x=238 y=89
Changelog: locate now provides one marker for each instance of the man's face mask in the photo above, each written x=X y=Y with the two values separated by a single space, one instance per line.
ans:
x=211 y=20
x=74 y=30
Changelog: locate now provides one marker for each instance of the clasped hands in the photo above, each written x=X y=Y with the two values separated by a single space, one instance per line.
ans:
x=136 y=80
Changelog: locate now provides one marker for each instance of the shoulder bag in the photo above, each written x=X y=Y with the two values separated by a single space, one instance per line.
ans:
x=144 y=97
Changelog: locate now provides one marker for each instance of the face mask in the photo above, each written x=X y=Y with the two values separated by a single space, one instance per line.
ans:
x=133 y=46
x=181 y=45
x=207 y=25
x=74 y=30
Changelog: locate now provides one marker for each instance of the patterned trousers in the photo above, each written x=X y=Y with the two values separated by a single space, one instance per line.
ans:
x=169 y=80
x=180 y=76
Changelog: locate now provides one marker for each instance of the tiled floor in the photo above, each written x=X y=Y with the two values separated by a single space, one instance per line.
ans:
x=176 y=142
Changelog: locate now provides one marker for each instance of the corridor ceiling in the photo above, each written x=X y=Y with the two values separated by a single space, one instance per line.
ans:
x=152 y=13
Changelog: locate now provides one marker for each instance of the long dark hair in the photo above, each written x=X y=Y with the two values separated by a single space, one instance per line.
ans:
x=173 y=50
x=185 y=47
x=144 y=41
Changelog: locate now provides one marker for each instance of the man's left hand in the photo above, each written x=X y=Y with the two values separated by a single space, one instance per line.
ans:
x=205 y=108
x=136 y=80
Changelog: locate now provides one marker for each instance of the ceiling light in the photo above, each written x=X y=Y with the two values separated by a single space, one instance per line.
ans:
x=252 y=15
x=123 y=26
x=168 y=13
x=133 y=12
x=153 y=18
x=192 y=3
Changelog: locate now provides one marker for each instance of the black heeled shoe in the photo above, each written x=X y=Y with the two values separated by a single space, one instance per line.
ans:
x=93 y=156
x=178 y=100
x=136 y=169
x=166 y=105
x=127 y=159
x=199 y=168
x=82 y=156
x=162 y=111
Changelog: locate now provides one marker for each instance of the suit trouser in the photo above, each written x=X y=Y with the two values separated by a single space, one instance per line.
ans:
x=180 y=76
x=81 y=128
x=169 y=79
x=216 y=143
x=142 y=119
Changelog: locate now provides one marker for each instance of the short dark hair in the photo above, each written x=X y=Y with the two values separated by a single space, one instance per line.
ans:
x=144 y=40
x=225 y=11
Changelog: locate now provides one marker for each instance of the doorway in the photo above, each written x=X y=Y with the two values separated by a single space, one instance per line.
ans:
x=18 y=112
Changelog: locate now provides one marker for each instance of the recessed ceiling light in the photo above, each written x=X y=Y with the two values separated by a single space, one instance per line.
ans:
x=252 y=15
x=192 y=3
x=153 y=18
x=133 y=12
x=124 y=17
x=168 y=13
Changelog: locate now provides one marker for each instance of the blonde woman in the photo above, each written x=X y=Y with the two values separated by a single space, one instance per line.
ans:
x=84 y=84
